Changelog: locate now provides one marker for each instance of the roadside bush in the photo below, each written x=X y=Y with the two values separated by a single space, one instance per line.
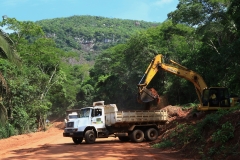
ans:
x=22 y=122
x=164 y=144
x=208 y=122
x=224 y=134
x=189 y=106
x=3 y=132
x=6 y=130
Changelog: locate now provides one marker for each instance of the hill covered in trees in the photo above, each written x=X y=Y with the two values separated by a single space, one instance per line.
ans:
x=89 y=35
x=204 y=36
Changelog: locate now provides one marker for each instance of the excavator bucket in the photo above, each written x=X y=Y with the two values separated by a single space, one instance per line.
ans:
x=146 y=95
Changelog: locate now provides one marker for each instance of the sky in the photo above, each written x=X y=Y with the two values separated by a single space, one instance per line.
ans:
x=35 y=10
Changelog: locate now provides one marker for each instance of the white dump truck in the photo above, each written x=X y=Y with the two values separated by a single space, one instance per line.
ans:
x=103 y=121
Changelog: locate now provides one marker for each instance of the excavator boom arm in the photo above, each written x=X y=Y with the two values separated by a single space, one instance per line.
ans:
x=189 y=75
x=151 y=71
x=175 y=69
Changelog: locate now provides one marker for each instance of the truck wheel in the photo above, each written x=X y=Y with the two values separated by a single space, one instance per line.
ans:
x=137 y=136
x=151 y=134
x=77 y=140
x=124 y=138
x=90 y=136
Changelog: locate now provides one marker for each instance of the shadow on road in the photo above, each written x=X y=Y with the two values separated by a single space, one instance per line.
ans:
x=102 y=149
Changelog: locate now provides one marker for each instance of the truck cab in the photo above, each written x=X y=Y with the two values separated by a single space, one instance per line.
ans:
x=91 y=122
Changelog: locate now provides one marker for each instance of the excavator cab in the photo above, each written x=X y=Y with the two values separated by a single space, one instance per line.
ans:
x=215 y=97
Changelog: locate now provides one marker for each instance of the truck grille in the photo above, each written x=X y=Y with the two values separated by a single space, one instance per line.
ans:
x=69 y=130
x=70 y=124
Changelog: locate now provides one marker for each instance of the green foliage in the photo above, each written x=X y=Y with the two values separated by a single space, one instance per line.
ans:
x=85 y=95
x=212 y=151
x=6 y=130
x=41 y=107
x=185 y=133
x=189 y=106
x=234 y=11
x=223 y=150
x=80 y=32
x=215 y=23
x=7 y=48
x=23 y=28
x=44 y=84
x=22 y=122
x=224 y=134
x=200 y=133
x=164 y=144
x=7 y=51
x=210 y=121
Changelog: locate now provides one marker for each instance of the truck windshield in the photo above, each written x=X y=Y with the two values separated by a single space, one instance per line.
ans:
x=84 y=112
x=72 y=116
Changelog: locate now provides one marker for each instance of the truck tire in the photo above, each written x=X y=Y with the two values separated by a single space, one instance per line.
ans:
x=77 y=140
x=151 y=134
x=124 y=138
x=137 y=136
x=90 y=136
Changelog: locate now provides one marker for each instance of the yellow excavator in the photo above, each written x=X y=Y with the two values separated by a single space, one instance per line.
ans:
x=211 y=98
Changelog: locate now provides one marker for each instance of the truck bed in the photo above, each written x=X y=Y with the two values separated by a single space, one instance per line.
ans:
x=136 y=117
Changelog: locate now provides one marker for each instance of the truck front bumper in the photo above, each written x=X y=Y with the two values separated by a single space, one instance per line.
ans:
x=73 y=134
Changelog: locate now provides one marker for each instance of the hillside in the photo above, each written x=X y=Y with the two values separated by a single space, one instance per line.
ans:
x=211 y=135
x=89 y=35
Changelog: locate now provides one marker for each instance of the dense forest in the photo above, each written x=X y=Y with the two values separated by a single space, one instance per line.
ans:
x=89 y=35
x=39 y=79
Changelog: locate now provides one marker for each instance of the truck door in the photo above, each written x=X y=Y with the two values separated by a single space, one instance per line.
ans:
x=84 y=117
x=98 y=118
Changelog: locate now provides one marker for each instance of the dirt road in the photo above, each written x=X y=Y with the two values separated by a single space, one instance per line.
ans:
x=51 y=145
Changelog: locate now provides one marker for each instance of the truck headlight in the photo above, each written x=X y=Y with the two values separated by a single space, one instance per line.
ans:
x=75 y=130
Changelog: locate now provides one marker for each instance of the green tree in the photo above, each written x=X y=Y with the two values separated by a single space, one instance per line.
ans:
x=216 y=23
x=6 y=51
x=39 y=74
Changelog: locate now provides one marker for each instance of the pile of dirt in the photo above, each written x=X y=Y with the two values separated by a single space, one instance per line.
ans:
x=202 y=146
x=175 y=112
